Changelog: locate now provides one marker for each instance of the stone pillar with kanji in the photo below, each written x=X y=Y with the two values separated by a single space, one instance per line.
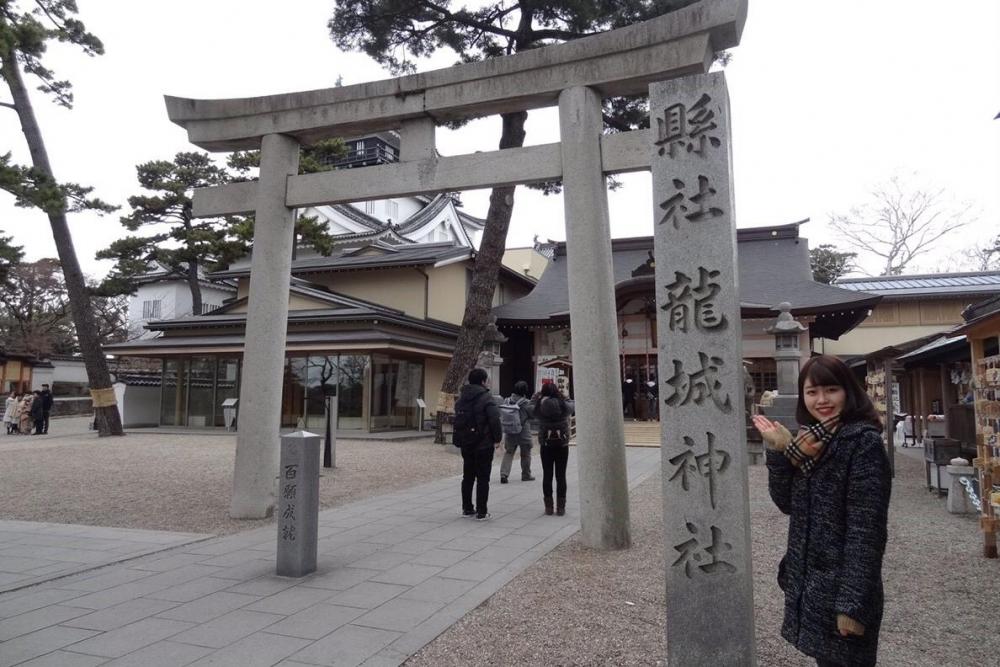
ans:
x=709 y=579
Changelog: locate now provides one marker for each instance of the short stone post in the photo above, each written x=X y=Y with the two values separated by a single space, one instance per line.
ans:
x=267 y=324
x=298 y=504
x=709 y=582
x=958 y=501
x=604 y=510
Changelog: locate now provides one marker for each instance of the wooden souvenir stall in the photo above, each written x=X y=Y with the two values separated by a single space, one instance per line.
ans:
x=983 y=333
x=878 y=384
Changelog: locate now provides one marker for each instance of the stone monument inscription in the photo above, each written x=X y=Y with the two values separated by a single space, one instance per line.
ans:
x=706 y=510
x=298 y=504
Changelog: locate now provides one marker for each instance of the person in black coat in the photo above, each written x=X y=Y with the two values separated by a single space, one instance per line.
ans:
x=477 y=456
x=46 y=406
x=553 y=412
x=833 y=480
x=37 y=413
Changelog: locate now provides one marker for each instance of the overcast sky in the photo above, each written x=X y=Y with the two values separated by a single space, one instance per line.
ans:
x=828 y=100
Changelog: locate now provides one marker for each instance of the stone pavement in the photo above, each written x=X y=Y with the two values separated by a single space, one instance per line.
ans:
x=34 y=552
x=394 y=571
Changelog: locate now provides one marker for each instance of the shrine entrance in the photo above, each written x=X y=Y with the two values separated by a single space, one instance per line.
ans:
x=706 y=517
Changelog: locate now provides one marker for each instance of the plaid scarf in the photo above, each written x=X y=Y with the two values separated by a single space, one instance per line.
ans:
x=820 y=433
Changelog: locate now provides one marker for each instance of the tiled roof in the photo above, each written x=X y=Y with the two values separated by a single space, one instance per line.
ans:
x=932 y=284
x=344 y=259
x=773 y=267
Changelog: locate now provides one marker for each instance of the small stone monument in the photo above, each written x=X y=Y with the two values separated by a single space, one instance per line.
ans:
x=298 y=504
x=958 y=501
x=709 y=579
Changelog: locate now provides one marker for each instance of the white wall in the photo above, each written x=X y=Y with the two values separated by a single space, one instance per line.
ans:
x=141 y=407
x=69 y=371
x=40 y=376
x=175 y=301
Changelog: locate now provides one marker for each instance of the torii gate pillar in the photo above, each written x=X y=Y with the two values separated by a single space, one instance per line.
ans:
x=267 y=320
x=604 y=514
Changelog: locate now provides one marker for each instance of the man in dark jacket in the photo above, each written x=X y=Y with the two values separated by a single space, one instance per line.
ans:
x=37 y=412
x=46 y=407
x=477 y=453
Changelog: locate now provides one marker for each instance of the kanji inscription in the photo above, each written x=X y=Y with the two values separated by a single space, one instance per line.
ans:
x=695 y=306
x=692 y=128
x=697 y=386
x=700 y=206
x=703 y=553
x=708 y=465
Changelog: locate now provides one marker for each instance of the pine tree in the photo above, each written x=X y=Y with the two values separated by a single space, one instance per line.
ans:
x=24 y=37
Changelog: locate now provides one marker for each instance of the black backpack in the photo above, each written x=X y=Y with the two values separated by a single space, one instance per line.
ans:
x=466 y=432
x=553 y=433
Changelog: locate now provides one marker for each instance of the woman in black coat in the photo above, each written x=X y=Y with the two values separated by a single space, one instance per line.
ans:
x=833 y=480
x=553 y=412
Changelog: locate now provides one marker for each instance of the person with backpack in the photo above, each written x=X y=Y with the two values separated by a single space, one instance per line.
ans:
x=514 y=416
x=477 y=433
x=553 y=413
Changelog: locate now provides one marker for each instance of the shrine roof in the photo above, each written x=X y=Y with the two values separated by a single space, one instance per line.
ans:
x=773 y=267
x=927 y=285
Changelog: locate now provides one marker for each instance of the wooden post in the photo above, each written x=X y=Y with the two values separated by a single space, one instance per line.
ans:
x=985 y=464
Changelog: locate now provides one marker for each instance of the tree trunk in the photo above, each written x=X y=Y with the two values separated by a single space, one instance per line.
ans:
x=195 y=286
x=484 y=274
x=107 y=417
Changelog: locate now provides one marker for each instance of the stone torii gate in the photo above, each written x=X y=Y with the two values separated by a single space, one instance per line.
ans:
x=714 y=552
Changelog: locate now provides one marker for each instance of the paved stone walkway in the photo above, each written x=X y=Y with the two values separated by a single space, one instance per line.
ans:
x=394 y=571
x=34 y=552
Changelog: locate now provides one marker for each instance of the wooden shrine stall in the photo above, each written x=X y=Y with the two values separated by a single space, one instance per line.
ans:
x=982 y=329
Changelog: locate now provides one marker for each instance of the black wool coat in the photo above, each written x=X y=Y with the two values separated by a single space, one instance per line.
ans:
x=836 y=539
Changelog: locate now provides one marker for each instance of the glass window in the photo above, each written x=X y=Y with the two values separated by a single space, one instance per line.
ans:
x=293 y=392
x=151 y=309
x=396 y=385
x=351 y=395
x=173 y=395
x=201 y=391
x=321 y=376
x=227 y=385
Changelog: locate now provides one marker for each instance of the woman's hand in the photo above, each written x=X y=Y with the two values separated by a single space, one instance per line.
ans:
x=848 y=626
x=775 y=435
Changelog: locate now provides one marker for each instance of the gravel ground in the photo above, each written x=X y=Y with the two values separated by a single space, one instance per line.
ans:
x=580 y=607
x=573 y=607
x=181 y=483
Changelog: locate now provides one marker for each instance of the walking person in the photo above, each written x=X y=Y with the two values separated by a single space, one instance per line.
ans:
x=652 y=400
x=553 y=412
x=37 y=413
x=628 y=397
x=46 y=406
x=514 y=416
x=478 y=434
x=834 y=482
x=8 y=412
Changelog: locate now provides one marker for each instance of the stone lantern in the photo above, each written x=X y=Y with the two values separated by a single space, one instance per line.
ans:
x=489 y=358
x=787 y=354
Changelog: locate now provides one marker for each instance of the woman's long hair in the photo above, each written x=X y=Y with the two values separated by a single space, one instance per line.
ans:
x=550 y=389
x=825 y=371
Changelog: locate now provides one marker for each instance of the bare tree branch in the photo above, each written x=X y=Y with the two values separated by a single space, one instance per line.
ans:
x=900 y=223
